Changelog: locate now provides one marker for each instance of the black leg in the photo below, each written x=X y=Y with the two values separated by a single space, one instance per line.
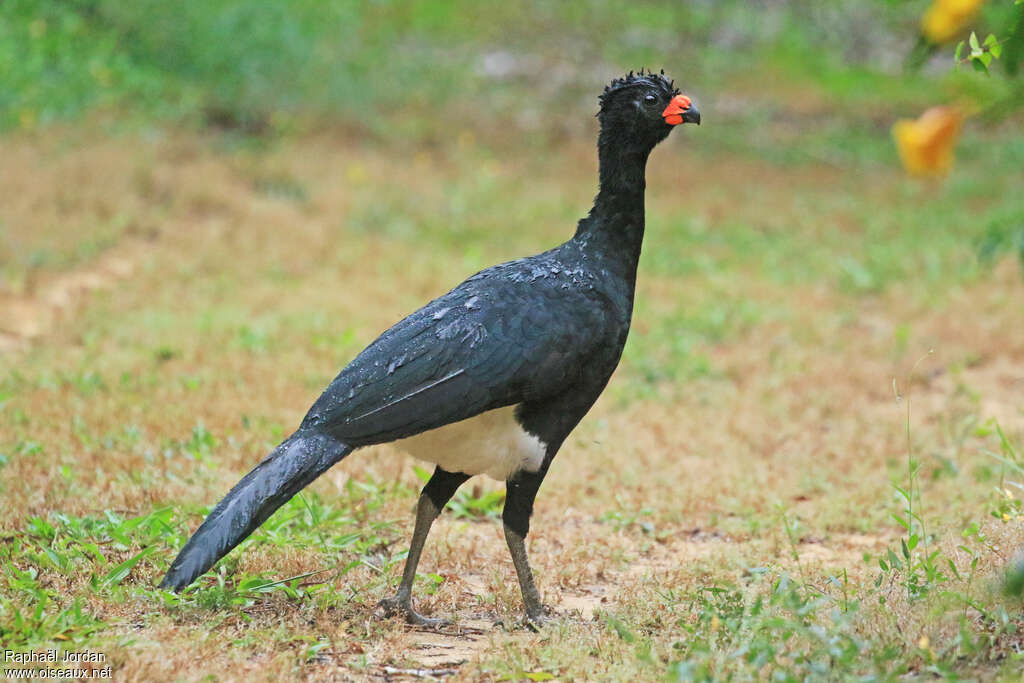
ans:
x=521 y=491
x=436 y=493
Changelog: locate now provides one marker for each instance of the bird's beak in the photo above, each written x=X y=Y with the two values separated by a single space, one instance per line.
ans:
x=680 y=110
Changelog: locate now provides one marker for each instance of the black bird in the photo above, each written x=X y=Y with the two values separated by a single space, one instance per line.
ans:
x=489 y=378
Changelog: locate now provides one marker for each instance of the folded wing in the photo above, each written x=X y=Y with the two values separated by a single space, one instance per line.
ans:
x=480 y=347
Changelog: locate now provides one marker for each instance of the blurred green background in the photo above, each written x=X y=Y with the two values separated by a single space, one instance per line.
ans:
x=266 y=66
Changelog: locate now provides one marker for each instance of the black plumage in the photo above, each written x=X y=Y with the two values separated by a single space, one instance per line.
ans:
x=542 y=334
x=515 y=333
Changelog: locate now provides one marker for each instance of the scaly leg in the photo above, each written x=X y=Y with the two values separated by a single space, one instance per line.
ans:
x=436 y=493
x=521 y=491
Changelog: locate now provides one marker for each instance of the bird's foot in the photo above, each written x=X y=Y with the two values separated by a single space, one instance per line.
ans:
x=396 y=605
x=534 y=619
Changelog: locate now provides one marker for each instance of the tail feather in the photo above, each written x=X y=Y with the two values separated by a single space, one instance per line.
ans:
x=288 y=469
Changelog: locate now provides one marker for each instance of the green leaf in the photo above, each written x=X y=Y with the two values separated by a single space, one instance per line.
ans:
x=906 y=550
x=912 y=541
x=313 y=649
x=118 y=573
x=258 y=585
x=538 y=675
x=979 y=66
x=894 y=561
x=958 y=55
x=620 y=628
x=906 y=496
x=251 y=584
x=975 y=46
x=59 y=561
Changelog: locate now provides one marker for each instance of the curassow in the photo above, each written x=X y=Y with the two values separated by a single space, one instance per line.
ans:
x=489 y=378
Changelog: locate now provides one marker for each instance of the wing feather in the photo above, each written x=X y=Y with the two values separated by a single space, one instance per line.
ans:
x=494 y=341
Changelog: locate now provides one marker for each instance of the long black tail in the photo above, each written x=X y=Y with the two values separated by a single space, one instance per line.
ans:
x=291 y=467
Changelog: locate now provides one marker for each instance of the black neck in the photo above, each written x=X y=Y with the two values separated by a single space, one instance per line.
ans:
x=615 y=226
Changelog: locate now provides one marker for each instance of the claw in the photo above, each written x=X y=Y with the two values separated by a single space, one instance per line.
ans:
x=533 y=620
x=395 y=606
x=537 y=619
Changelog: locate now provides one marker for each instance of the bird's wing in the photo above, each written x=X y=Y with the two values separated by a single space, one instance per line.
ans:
x=503 y=337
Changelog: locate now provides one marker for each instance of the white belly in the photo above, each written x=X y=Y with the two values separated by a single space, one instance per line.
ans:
x=491 y=443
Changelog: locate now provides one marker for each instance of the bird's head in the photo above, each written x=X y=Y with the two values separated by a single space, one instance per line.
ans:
x=645 y=106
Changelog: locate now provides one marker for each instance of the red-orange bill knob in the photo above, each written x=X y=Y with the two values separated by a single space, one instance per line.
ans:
x=680 y=109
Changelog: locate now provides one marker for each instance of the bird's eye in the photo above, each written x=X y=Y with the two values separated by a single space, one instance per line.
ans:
x=650 y=99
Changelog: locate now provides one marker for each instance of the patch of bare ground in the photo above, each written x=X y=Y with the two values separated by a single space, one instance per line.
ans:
x=582 y=591
x=52 y=298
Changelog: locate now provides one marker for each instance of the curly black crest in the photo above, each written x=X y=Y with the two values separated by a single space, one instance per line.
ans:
x=640 y=78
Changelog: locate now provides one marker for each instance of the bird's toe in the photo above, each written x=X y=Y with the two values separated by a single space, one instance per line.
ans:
x=390 y=607
x=537 y=619
x=533 y=620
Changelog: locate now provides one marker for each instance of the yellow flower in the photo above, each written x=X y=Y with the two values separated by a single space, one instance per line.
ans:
x=926 y=144
x=944 y=19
